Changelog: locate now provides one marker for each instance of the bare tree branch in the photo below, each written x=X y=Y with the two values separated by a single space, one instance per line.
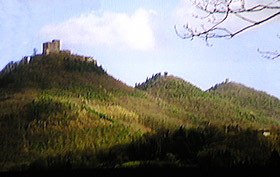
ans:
x=270 y=55
x=256 y=23
x=218 y=13
x=223 y=7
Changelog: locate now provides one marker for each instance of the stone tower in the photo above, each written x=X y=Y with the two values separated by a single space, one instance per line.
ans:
x=51 y=47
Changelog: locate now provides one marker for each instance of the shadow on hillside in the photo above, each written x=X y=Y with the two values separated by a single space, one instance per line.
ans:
x=208 y=147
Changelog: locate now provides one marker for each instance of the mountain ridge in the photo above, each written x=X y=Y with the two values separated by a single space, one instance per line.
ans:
x=60 y=109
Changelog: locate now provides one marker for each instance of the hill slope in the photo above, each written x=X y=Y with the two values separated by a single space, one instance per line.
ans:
x=57 y=105
x=249 y=98
x=59 y=111
x=204 y=107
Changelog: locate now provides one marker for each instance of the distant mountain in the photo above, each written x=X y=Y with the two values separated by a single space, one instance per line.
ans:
x=60 y=110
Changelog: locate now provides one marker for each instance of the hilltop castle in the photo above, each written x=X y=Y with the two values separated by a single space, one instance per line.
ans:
x=51 y=47
x=48 y=48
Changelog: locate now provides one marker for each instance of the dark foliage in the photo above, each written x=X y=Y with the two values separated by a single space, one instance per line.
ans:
x=204 y=147
x=210 y=146
x=149 y=81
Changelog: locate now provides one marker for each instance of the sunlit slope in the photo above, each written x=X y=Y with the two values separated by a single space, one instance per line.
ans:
x=60 y=107
x=56 y=105
x=198 y=107
x=249 y=98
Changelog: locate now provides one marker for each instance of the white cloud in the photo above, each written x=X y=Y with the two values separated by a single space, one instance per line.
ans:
x=115 y=30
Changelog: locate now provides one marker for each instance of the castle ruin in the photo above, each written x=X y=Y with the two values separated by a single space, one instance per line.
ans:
x=51 y=47
x=48 y=48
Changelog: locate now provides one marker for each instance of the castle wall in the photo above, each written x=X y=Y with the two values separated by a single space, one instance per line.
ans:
x=25 y=60
x=51 y=47
x=8 y=68
x=13 y=65
x=65 y=52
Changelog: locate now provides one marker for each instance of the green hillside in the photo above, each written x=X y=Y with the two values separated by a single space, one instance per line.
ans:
x=249 y=98
x=197 y=106
x=57 y=105
x=60 y=112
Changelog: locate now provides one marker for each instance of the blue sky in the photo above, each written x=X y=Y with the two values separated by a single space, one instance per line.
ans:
x=132 y=39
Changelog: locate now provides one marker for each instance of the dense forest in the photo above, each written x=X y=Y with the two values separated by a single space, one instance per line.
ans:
x=61 y=113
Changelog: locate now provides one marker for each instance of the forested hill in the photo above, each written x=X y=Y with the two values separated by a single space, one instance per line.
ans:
x=58 y=71
x=61 y=112
x=257 y=101
x=213 y=106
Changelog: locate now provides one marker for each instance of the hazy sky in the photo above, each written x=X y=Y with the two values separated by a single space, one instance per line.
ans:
x=132 y=39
